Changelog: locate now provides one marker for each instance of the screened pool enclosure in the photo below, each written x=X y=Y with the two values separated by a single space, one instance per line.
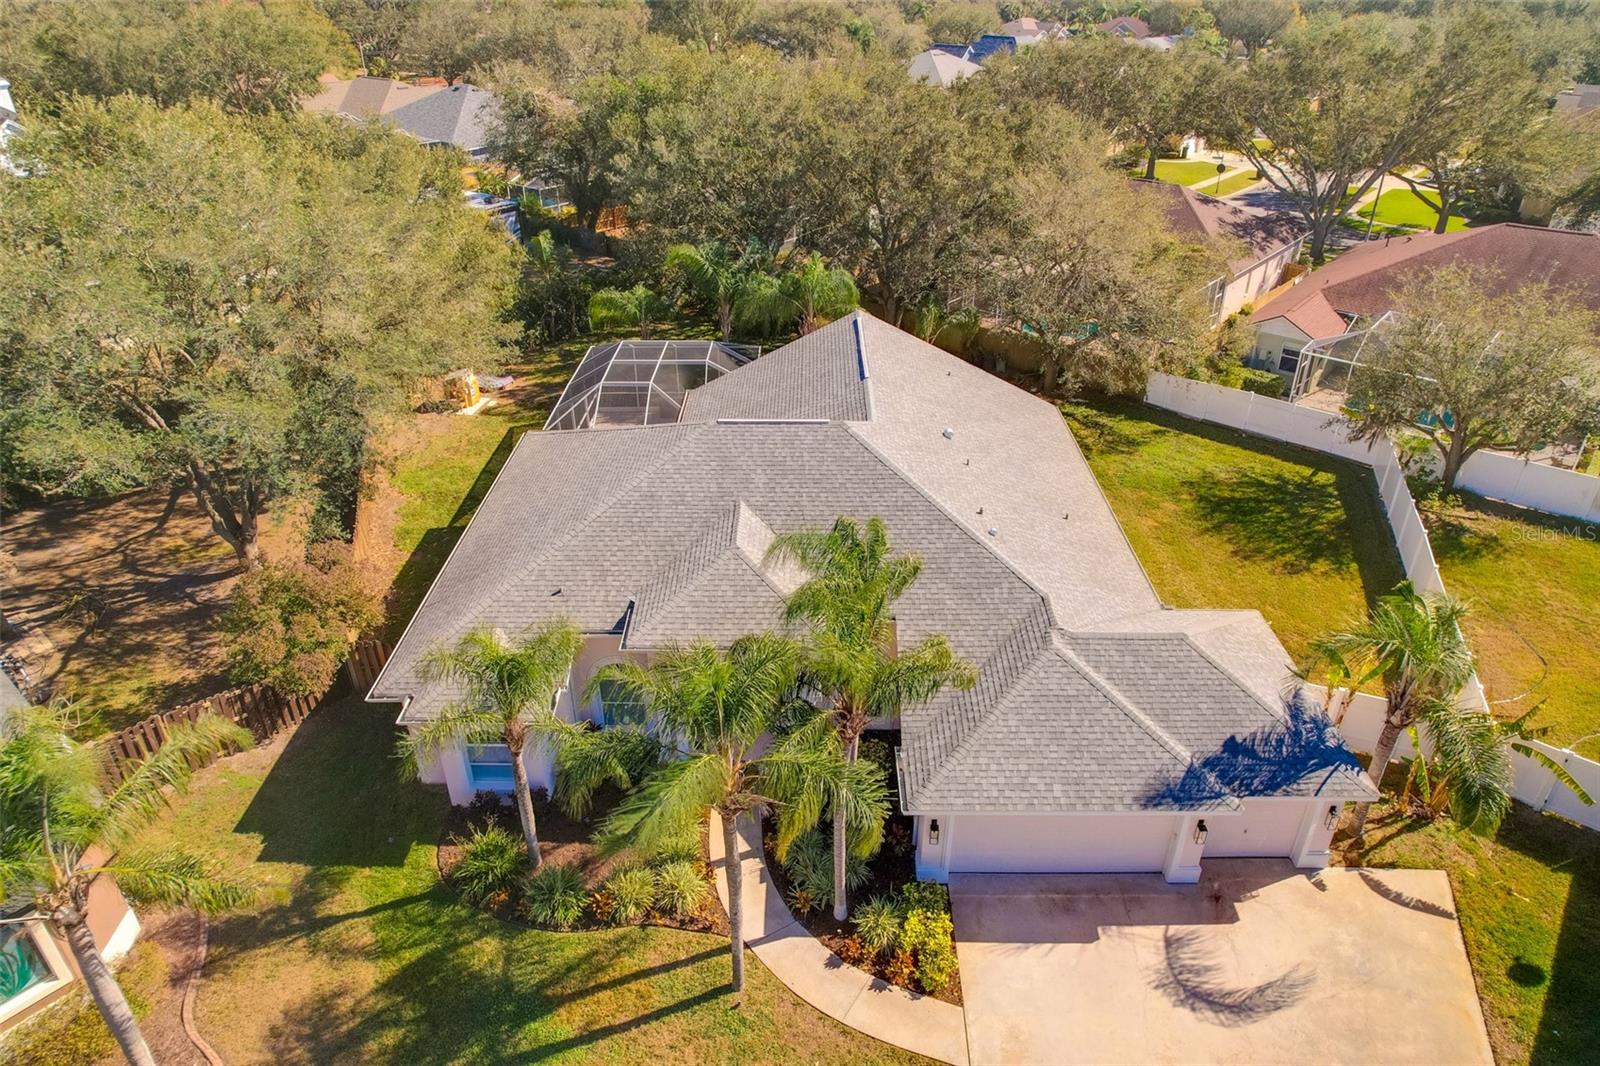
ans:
x=641 y=383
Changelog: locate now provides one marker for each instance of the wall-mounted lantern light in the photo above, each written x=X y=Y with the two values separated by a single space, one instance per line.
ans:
x=1200 y=831
x=1332 y=817
x=933 y=831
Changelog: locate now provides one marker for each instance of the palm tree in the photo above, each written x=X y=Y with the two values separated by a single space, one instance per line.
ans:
x=1470 y=768
x=714 y=275
x=812 y=292
x=508 y=697
x=54 y=810
x=1413 y=642
x=638 y=307
x=710 y=710
x=848 y=602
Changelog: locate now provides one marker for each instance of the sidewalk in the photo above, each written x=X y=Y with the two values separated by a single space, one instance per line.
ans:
x=916 y=1023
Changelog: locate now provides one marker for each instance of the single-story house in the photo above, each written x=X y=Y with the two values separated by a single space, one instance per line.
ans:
x=1028 y=30
x=1579 y=100
x=1267 y=241
x=1125 y=26
x=365 y=97
x=1361 y=283
x=940 y=67
x=36 y=969
x=981 y=49
x=1107 y=731
x=458 y=115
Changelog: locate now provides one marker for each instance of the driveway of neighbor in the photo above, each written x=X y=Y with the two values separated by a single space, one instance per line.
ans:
x=1259 y=963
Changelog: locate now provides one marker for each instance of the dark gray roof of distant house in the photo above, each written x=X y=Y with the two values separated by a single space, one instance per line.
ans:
x=659 y=534
x=460 y=115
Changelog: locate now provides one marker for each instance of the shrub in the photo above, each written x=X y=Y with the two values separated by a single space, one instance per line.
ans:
x=810 y=868
x=851 y=950
x=878 y=922
x=926 y=896
x=633 y=893
x=901 y=968
x=680 y=890
x=290 y=624
x=554 y=897
x=684 y=847
x=491 y=859
x=602 y=905
x=1261 y=382
x=485 y=807
x=929 y=937
x=800 y=902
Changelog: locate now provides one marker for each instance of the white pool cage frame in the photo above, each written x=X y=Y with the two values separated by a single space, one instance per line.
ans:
x=641 y=383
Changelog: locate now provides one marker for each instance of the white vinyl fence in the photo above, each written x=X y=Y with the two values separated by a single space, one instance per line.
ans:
x=1499 y=477
x=1279 y=420
x=1531 y=782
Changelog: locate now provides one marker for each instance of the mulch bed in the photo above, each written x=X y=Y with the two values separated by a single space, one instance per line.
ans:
x=893 y=866
x=568 y=841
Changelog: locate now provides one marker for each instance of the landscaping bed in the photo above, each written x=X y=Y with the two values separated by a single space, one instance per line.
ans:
x=583 y=881
x=886 y=884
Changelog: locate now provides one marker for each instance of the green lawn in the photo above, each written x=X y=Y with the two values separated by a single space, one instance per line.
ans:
x=1402 y=207
x=1181 y=171
x=357 y=953
x=1534 y=584
x=1229 y=186
x=1221 y=519
x=1529 y=902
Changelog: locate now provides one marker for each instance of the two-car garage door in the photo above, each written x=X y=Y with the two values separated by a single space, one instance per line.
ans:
x=1074 y=843
x=1115 y=843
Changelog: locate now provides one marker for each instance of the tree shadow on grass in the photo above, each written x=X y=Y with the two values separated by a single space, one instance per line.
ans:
x=476 y=990
x=1325 y=519
x=335 y=797
x=1569 y=1026
x=428 y=558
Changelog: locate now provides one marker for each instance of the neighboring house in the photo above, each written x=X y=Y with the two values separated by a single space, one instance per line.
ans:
x=458 y=115
x=1578 y=100
x=1157 y=44
x=941 y=68
x=1361 y=283
x=1028 y=31
x=988 y=45
x=9 y=126
x=1126 y=26
x=1106 y=732
x=364 y=97
x=36 y=969
x=1267 y=241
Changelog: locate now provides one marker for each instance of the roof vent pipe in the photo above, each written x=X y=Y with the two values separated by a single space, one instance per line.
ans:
x=949 y=434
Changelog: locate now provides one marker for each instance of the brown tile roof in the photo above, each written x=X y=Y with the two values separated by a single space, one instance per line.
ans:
x=1197 y=216
x=1364 y=280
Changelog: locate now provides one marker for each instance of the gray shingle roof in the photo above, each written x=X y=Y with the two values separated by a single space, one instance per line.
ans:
x=458 y=115
x=1091 y=696
x=818 y=376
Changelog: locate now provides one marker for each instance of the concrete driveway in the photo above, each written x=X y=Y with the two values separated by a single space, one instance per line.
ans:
x=1259 y=963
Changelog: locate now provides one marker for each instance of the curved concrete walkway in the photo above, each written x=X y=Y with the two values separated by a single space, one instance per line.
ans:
x=916 y=1023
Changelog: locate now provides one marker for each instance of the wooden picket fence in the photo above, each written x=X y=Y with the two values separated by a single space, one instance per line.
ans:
x=262 y=710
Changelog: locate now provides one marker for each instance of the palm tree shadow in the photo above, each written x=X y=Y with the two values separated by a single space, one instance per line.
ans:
x=1190 y=976
x=1404 y=899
